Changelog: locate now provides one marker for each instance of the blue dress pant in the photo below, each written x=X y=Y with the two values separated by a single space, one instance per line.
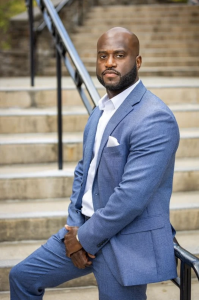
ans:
x=48 y=267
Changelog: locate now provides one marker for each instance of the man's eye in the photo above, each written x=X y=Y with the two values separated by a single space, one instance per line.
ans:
x=120 y=55
x=103 y=56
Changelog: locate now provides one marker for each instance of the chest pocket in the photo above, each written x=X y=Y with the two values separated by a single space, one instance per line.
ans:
x=112 y=164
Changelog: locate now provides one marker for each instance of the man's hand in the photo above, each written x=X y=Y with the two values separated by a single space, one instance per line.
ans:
x=80 y=259
x=71 y=243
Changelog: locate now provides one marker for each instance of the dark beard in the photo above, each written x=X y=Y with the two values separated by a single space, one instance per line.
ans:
x=125 y=81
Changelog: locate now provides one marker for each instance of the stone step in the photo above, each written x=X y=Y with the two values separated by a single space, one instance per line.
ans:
x=37 y=120
x=147 y=17
x=142 y=13
x=39 y=148
x=187 y=115
x=138 y=28
x=34 y=120
x=36 y=181
x=132 y=11
x=43 y=148
x=16 y=92
x=32 y=220
x=134 y=23
x=46 y=181
x=131 y=15
x=189 y=143
x=164 y=291
x=26 y=97
x=143 y=36
x=186 y=176
x=33 y=208
x=43 y=217
x=134 y=19
x=184 y=211
x=9 y=258
x=42 y=120
x=176 y=95
x=150 y=44
x=189 y=240
x=160 y=8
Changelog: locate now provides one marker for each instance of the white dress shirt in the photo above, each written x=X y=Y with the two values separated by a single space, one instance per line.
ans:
x=109 y=107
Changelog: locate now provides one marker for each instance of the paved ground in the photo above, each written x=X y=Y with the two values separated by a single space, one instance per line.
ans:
x=162 y=291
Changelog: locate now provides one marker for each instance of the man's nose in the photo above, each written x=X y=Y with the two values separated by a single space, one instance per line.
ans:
x=110 y=62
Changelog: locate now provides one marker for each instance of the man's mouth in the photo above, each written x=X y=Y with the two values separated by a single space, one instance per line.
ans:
x=110 y=73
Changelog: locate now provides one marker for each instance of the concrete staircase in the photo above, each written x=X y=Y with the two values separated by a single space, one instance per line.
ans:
x=34 y=195
x=168 y=34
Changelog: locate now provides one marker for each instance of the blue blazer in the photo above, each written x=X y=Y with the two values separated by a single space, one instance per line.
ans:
x=131 y=190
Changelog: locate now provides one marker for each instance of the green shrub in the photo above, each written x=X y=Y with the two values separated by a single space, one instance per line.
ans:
x=8 y=9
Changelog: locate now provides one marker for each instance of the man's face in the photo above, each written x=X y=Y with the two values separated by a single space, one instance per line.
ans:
x=124 y=82
x=116 y=62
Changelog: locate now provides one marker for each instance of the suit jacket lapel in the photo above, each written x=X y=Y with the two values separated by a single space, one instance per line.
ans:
x=88 y=152
x=90 y=140
x=133 y=98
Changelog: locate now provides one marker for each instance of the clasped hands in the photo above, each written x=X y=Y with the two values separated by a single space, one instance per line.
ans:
x=74 y=249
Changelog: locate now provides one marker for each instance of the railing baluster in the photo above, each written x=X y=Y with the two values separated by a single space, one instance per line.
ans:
x=29 y=4
x=185 y=282
x=59 y=111
x=80 y=12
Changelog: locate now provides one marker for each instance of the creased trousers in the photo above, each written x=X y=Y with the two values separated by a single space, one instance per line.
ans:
x=48 y=267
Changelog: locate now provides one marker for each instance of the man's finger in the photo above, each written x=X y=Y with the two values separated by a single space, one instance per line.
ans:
x=91 y=255
x=68 y=227
x=80 y=259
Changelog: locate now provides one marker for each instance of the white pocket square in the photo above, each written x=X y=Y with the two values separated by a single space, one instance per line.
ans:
x=112 y=141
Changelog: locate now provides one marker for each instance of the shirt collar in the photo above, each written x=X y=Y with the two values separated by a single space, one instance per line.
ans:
x=112 y=104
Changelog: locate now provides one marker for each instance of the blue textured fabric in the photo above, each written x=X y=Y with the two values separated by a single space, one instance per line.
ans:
x=48 y=267
x=131 y=190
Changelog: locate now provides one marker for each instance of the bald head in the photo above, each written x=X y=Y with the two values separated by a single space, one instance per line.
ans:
x=122 y=35
x=118 y=60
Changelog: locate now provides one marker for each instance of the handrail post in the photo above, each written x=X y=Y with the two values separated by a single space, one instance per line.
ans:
x=29 y=4
x=185 y=282
x=59 y=111
x=80 y=12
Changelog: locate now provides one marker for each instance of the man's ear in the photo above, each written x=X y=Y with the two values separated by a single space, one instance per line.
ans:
x=138 y=61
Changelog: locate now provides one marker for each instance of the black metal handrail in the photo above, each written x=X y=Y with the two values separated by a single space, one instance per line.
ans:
x=66 y=51
x=58 y=8
x=187 y=262
x=65 y=46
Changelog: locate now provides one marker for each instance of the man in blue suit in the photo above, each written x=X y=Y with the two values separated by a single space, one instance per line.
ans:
x=118 y=223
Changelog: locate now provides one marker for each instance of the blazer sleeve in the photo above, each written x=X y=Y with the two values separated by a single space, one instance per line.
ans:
x=152 y=147
x=74 y=215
